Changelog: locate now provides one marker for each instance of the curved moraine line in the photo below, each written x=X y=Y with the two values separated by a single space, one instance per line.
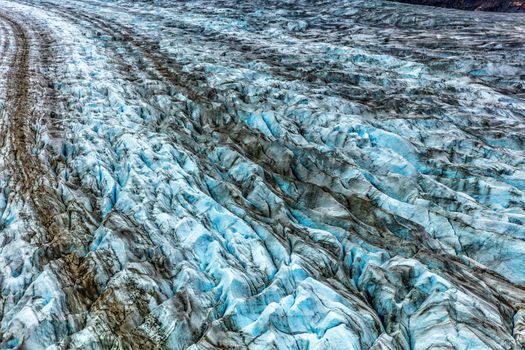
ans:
x=35 y=222
x=261 y=175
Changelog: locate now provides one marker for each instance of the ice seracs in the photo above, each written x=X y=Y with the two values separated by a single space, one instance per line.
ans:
x=269 y=176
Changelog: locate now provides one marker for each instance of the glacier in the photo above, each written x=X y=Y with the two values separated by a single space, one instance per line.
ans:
x=278 y=174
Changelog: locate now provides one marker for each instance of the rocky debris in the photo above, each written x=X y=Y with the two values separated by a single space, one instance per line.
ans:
x=260 y=175
x=474 y=5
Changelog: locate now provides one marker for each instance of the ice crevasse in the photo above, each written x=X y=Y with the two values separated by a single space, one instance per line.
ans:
x=266 y=175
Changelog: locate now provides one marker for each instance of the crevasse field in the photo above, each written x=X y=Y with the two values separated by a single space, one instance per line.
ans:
x=261 y=175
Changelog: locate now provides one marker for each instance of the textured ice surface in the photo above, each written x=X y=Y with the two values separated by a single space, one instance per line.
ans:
x=475 y=5
x=267 y=175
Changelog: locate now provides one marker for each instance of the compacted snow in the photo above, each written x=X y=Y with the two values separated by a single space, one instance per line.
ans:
x=261 y=175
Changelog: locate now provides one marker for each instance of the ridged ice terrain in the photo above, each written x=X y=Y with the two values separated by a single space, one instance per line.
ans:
x=474 y=5
x=278 y=174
